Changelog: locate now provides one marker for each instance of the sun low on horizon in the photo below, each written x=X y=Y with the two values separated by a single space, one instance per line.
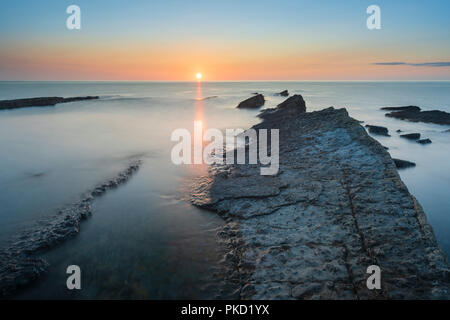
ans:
x=198 y=76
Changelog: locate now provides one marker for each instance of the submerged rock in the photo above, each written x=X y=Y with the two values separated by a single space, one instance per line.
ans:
x=40 y=102
x=411 y=136
x=252 y=102
x=382 y=131
x=424 y=141
x=336 y=206
x=20 y=263
x=403 y=164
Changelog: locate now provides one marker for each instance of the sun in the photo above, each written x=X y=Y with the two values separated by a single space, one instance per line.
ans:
x=199 y=76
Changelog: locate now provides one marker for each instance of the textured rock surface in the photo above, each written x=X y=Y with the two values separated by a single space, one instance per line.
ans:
x=336 y=206
x=19 y=261
x=40 y=102
x=253 y=102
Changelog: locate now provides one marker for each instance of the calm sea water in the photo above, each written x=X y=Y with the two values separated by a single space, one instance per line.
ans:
x=144 y=239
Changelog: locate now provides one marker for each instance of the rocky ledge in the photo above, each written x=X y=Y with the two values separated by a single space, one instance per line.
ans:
x=20 y=263
x=40 y=102
x=336 y=207
x=414 y=114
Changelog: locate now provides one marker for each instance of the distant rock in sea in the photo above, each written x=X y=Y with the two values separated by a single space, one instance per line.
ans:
x=414 y=114
x=411 y=136
x=382 y=131
x=39 y=102
x=424 y=141
x=284 y=93
x=403 y=164
x=252 y=102
x=407 y=108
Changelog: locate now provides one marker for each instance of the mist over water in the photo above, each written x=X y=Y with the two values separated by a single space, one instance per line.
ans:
x=144 y=239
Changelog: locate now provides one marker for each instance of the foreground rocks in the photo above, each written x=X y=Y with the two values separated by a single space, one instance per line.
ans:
x=414 y=114
x=336 y=206
x=20 y=263
x=40 y=102
x=253 y=102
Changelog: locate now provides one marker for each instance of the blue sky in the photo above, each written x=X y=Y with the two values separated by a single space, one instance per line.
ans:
x=230 y=33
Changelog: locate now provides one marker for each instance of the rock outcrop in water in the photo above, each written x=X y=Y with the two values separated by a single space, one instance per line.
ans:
x=414 y=114
x=382 y=131
x=40 y=102
x=20 y=263
x=336 y=207
x=252 y=102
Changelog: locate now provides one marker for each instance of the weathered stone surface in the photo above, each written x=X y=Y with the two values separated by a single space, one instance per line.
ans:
x=336 y=206
x=19 y=260
x=252 y=102
x=40 y=102
x=382 y=131
x=411 y=136
x=415 y=115
x=403 y=164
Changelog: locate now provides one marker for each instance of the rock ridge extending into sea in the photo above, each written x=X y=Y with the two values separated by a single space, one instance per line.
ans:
x=336 y=207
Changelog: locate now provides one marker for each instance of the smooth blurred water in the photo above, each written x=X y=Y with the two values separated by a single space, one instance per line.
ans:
x=144 y=239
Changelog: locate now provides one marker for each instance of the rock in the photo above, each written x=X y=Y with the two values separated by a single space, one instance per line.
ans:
x=411 y=136
x=294 y=103
x=415 y=115
x=252 y=103
x=291 y=106
x=19 y=265
x=284 y=93
x=336 y=206
x=408 y=108
x=382 y=131
x=424 y=141
x=402 y=164
x=40 y=102
x=398 y=131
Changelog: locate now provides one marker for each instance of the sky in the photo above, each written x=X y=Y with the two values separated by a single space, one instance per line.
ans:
x=225 y=40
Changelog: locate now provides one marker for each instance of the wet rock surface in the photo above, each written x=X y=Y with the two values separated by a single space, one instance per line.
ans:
x=382 y=131
x=336 y=206
x=40 y=102
x=20 y=263
x=252 y=102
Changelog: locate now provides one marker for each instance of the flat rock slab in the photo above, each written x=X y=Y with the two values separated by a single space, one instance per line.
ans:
x=336 y=206
x=40 y=102
x=415 y=115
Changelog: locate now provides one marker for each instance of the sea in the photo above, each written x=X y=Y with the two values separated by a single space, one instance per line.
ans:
x=144 y=239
